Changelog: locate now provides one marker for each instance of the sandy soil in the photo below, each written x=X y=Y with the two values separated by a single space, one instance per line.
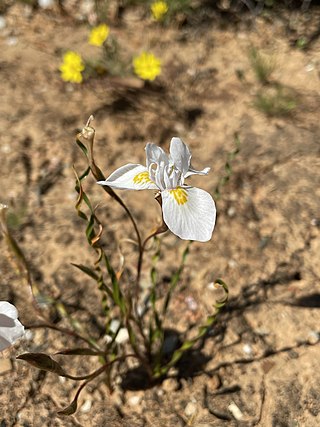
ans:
x=261 y=365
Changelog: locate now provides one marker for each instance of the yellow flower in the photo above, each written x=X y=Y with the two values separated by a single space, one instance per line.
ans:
x=99 y=35
x=147 y=66
x=159 y=9
x=71 y=67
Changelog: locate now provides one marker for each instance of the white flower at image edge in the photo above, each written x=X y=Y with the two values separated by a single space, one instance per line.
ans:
x=10 y=327
x=188 y=212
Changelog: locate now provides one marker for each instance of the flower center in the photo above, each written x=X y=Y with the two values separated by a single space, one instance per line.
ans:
x=180 y=195
x=142 y=178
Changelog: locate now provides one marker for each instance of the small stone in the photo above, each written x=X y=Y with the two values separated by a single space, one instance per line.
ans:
x=169 y=385
x=114 y=325
x=235 y=411
x=12 y=41
x=231 y=212
x=28 y=335
x=2 y=22
x=179 y=127
x=122 y=336
x=190 y=409
x=160 y=392
x=232 y=263
x=134 y=400
x=5 y=148
x=247 y=349
x=86 y=406
x=309 y=67
x=45 y=4
x=191 y=303
x=313 y=337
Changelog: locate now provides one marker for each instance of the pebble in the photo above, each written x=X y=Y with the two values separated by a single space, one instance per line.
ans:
x=309 y=67
x=114 y=325
x=235 y=411
x=5 y=148
x=122 y=336
x=134 y=400
x=169 y=385
x=12 y=41
x=2 y=22
x=231 y=211
x=313 y=337
x=86 y=406
x=191 y=303
x=45 y=4
x=232 y=263
x=28 y=335
x=247 y=349
x=190 y=409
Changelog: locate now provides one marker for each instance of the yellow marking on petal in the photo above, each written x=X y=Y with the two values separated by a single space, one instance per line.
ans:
x=142 y=178
x=180 y=195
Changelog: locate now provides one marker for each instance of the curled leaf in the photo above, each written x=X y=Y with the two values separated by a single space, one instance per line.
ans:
x=69 y=410
x=42 y=361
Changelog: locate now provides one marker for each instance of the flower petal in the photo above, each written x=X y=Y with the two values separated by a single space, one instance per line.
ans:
x=189 y=213
x=180 y=155
x=130 y=177
x=8 y=310
x=191 y=171
x=10 y=327
x=155 y=154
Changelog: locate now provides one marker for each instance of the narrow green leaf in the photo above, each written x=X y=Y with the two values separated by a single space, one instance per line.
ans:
x=116 y=292
x=202 y=330
x=82 y=147
x=79 y=352
x=86 y=270
x=175 y=279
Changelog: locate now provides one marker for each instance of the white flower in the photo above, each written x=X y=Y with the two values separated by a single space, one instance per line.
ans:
x=10 y=327
x=188 y=212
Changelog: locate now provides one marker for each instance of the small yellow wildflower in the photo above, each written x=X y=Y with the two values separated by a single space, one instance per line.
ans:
x=71 y=67
x=159 y=9
x=147 y=66
x=99 y=35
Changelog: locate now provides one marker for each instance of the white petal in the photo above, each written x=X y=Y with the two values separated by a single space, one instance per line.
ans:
x=189 y=213
x=191 y=171
x=8 y=310
x=130 y=177
x=10 y=327
x=155 y=154
x=180 y=155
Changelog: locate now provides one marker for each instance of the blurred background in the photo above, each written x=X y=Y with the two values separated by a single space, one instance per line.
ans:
x=239 y=82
